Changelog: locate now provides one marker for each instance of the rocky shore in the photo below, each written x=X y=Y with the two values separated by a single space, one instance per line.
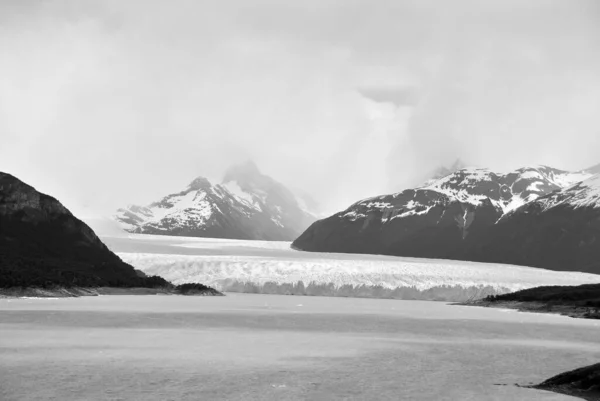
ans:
x=583 y=383
x=575 y=301
x=581 y=312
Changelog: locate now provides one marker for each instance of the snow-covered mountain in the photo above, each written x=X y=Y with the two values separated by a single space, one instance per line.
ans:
x=585 y=194
x=505 y=190
x=245 y=205
x=445 y=218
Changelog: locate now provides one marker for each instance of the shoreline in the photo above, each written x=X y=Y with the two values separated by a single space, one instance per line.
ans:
x=76 y=292
x=581 y=383
x=574 y=311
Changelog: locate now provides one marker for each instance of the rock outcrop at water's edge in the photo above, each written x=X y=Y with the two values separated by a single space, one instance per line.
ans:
x=583 y=383
x=196 y=289
x=581 y=301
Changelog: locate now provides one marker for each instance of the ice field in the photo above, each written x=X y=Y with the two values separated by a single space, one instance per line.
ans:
x=275 y=268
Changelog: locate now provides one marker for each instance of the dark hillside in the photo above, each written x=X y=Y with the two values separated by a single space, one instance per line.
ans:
x=42 y=244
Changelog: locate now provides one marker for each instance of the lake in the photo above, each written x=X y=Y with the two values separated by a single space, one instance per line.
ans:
x=277 y=347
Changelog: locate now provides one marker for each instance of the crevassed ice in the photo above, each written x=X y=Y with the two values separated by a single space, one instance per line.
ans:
x=246 y=266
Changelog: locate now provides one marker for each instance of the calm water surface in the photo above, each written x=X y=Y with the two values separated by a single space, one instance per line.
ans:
x=271 y=347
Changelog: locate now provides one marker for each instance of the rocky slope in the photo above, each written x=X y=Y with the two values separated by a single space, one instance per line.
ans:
x=474 y=214
x=245 y=205
x=43 y=244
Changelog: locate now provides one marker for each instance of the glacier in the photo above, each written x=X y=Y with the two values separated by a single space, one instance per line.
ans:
x=273 y=267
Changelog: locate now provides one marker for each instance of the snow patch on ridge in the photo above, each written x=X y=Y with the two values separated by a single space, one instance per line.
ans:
x=582 y=194
x=236 y=190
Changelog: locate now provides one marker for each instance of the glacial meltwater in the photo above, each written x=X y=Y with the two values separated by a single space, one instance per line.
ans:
x=277 y=347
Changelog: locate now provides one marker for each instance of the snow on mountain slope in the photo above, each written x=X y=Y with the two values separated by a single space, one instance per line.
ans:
x=308 y=204
x=582 y=194
x=246 y=205
x=472 y=188
x=252 y=200
x=508 y=191
x=195 y=206
x=272 y=267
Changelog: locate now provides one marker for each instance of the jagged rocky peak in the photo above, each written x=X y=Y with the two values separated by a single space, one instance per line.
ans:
x=200 y=183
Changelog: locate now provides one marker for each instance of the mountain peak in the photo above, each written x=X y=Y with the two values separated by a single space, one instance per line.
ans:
x=200 y=183
x=243 y=172
x=443 y=171
x=458 y=164
x=245 y=205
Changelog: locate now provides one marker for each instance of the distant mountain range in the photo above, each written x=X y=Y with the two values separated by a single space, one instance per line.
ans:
x=42 y=244
x=535 y=216
x=245 y=205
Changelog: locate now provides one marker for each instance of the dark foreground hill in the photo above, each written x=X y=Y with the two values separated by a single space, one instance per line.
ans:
x=43 y=245
x=583 y=383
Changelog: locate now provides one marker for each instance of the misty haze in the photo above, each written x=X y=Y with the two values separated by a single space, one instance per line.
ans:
x=317 y=200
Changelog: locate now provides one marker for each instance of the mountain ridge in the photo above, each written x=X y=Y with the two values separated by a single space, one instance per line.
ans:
x=471 y=214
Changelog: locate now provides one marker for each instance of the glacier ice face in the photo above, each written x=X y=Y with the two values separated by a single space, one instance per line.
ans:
x=275 y=268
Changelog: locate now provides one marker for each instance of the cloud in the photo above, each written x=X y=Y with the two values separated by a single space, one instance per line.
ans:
x=406 y=96
x=104 y=103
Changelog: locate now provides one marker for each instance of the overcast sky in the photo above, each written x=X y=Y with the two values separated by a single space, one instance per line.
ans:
x=110 y=102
